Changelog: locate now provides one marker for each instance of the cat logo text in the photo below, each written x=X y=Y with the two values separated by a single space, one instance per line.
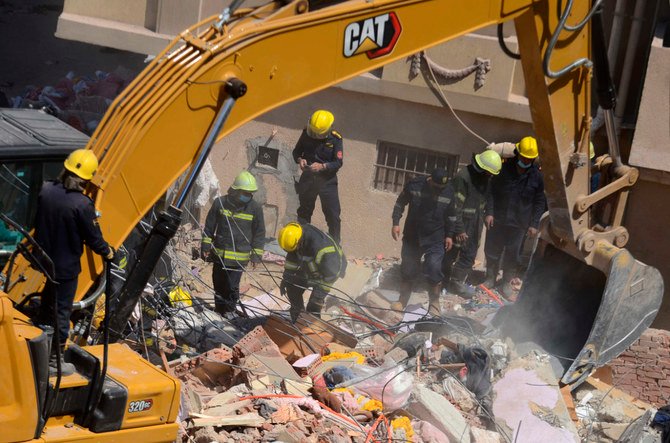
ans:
x=374 y=36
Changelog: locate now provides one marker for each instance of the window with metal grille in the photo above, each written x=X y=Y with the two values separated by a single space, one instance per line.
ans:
x=397 y=164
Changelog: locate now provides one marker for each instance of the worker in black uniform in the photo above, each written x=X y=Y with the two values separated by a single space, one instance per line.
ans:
x=470 y=211
x=234 y=235
x=424 y=234
x=518 y=204
x=319 y=155
x=314 y=260
x=66 y=219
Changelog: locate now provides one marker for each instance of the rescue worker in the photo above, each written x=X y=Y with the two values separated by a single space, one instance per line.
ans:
x=66 y=219
x=314 y=260
x=234 y=234
x=319 y=155
x=518 y=204
x=424 y=234
x=470 y=212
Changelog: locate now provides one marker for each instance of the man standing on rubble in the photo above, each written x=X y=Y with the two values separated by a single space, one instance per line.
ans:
x=518 y=204
x=234 y=234
x=424 y=234
x=319 y=155
x=314 y=260
x=65 y=220
x=470 y=212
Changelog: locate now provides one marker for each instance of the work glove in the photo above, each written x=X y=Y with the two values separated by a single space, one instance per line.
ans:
x=204 y=253
x=111 y=254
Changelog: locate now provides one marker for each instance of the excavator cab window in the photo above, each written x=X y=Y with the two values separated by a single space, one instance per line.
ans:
x=20 y=184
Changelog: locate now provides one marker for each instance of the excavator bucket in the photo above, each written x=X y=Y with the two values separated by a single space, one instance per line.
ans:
x=580 y=315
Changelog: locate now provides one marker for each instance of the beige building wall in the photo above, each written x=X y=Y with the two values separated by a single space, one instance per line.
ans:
x=648 y=212
x=363 y=120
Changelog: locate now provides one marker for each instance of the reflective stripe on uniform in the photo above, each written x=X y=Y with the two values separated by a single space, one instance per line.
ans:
x=239 y=215
x=460 y=196
x=469 y=211
x=259 y=252
x=326 y=250
x=291 y=266
x=232 y=255
x=206 y=240
x=444 y=200
x=415 y=193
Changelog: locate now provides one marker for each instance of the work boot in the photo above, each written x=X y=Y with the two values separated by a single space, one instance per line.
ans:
x=405 y=294
x=66 y=368
x=315 y=304
x=491 y=276
x=434 y=307
x=458 y=286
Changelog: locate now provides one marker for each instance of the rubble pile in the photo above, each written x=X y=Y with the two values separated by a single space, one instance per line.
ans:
x=79 y=100
x=366 y=373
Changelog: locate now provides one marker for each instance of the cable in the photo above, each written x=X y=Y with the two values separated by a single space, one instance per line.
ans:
x=503 y=45
x=552 y=44
x=444 y=98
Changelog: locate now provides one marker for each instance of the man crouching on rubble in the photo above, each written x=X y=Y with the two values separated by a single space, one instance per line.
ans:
x=234 y=234
x=314 y=260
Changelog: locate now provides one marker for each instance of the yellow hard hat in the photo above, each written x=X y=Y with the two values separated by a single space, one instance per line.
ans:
x=320 y=123
x=592 y=151
x=527 y=147
x=290 y=236
x=245 y=182
x=489 y=161
x=82 y=163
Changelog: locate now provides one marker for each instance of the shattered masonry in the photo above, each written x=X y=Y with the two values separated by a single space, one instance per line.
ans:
x=364 y=372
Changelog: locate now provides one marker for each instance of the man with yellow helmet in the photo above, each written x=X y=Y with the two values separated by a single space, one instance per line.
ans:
x=471 y=209
x=518 y=204
x=319 y=155
x=314 y=260
x=234 y=234
x=66 y=219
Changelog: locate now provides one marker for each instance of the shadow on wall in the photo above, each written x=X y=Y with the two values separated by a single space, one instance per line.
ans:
x=276 y=192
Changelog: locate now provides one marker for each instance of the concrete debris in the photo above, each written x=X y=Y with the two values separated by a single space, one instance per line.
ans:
x=364 y=372
x=434 y=408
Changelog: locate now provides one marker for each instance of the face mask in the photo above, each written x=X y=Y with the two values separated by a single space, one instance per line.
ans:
x=522 y=165
x=244 y=198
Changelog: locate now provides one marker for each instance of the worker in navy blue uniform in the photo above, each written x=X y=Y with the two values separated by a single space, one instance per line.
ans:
x=234 y=235
x=314 y=260
x=518 y=204
x=424 y=234
x=470 y=211
x=66 y=219
x=319 y=155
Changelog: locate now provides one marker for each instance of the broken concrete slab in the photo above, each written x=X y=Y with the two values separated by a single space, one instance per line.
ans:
x=248 y=419
x=529 y=405
x=226 y=409
x=483 y=436
x=430 y=406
